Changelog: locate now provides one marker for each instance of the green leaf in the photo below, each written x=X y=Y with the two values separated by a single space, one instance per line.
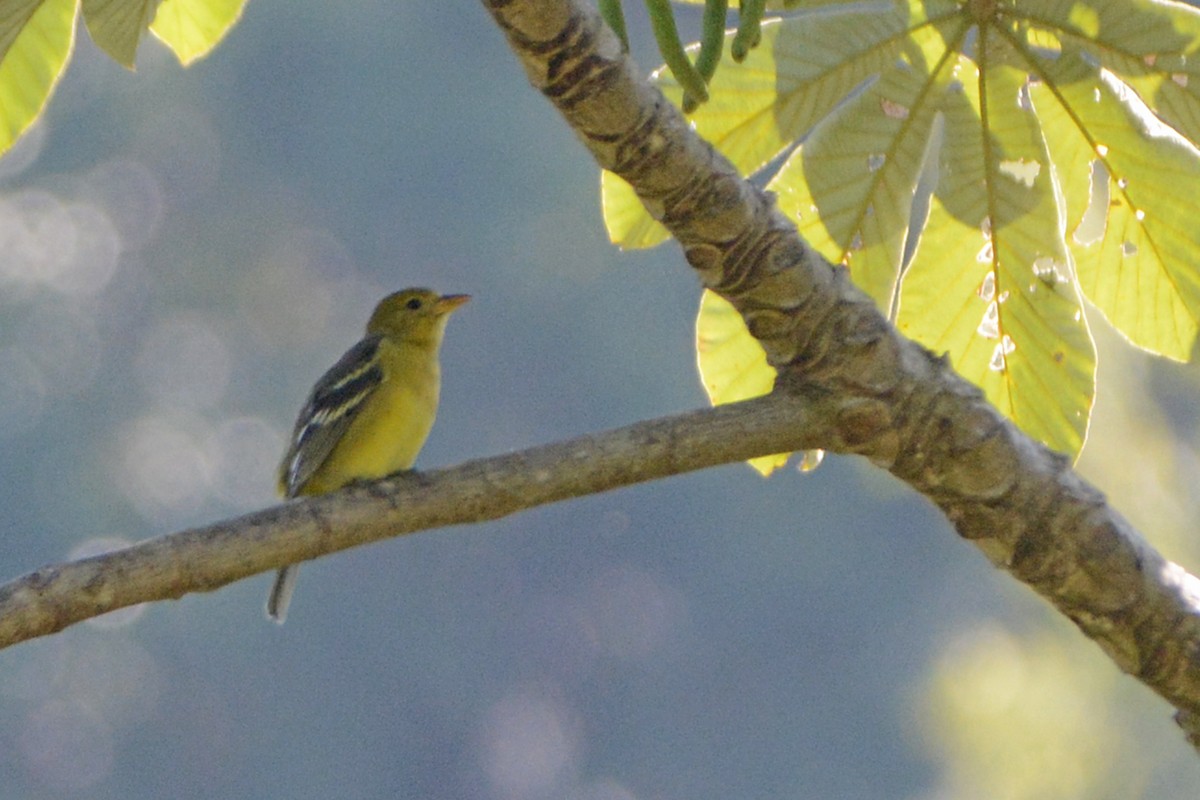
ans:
x=732 y=363
x=629 y=226
x=850 y=186
x=1148 y=44
x=14 y=16
x=36 y=38
x=1141 y=269
x=117 y=26
x=987 y=284
x=1058 y=138
x=794 y=78
x=192 y=28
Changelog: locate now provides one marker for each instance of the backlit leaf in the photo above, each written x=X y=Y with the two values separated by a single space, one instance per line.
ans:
x=35 y=44
x=117 y=26
x=732 y=363
x=192 y=28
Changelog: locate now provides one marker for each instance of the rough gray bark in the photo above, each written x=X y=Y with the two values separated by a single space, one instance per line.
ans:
x=887 y=398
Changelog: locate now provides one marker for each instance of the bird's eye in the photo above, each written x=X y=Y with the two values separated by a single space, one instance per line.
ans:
x=414 y=303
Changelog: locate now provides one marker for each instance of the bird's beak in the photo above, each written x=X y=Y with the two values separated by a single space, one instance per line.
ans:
x=448 y=302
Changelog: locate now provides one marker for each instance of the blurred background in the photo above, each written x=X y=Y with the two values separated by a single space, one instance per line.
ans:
x=182 y=253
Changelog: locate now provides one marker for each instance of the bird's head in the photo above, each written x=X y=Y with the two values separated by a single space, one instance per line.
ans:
x=415 y=314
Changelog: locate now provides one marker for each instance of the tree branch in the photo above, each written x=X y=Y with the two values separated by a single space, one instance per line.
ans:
x=203 y=559
x=849 y=383
x=885 y=397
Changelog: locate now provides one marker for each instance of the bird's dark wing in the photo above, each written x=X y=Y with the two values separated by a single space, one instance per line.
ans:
x=334 y=403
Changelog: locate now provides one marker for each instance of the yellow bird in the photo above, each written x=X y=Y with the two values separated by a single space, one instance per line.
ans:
x=369 y=415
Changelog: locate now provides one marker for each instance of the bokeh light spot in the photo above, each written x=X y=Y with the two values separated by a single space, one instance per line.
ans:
x=630 y=613
x=71 y=248
x=997 y=666
x=601 y=790
x=1018 y=717
x=39 y=237
x=130 y=195
x=530 y=746
x=294 y=290
x=66 y=746
x=96 y=256
x=244 y=453
x=165 y=472
x=82 y=693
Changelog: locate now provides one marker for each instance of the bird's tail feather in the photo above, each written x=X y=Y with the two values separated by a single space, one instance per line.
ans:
x=281 y=593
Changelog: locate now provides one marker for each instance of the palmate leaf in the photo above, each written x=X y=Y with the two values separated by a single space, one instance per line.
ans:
x=730 y=369
x=117 y=26
x=799 y=72
x=192 y=28
x=1052 y=141
x=1106 y=62
x=985 y=284
x=1141 y=270
x=850 y=186
x=36 y=37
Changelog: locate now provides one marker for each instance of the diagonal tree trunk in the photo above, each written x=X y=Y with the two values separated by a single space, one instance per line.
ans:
x=882 y=396
x=849 y=383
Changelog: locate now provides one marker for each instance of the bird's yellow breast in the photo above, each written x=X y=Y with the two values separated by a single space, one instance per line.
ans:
x=392 y=425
